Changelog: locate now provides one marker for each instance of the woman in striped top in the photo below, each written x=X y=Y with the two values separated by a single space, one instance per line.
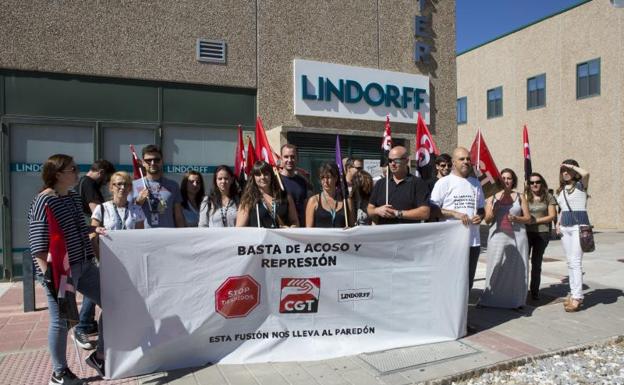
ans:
x=572 y=200
x=59 y=174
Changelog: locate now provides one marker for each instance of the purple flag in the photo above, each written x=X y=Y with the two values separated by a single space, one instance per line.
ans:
x=339 y=156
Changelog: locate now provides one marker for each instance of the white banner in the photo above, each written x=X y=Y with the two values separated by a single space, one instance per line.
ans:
x=176 y=298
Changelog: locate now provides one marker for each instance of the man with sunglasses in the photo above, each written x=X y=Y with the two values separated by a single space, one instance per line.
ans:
x=89 y=188
x=407 y=195
x=443 y=166
x=161 y=201
x=458 y=196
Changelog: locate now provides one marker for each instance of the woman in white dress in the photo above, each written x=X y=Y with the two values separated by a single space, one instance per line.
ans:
x=507 y=274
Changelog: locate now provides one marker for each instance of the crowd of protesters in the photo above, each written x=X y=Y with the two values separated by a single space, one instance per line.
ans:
x=520 y=221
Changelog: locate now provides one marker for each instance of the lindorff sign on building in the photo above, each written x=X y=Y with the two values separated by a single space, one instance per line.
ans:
x=339 y=91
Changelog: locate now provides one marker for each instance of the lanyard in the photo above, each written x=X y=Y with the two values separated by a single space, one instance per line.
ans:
x=121 y=224
x=272 y=211
x=224 y=213
x=331 y=211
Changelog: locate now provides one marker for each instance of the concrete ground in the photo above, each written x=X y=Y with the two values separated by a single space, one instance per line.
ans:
x=500 y=336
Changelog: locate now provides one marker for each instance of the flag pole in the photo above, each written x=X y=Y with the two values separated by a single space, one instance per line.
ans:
x=478 y=165
x=387 y=180
x=134 y=155
x=258 y=213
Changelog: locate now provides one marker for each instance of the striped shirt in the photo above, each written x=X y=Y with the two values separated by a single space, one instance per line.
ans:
x=577 y=201
x=68 y=212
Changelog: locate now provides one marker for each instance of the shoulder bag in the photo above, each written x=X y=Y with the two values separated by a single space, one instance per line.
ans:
x=586 y=232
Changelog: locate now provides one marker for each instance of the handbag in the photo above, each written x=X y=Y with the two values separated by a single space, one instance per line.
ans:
x=586 y=232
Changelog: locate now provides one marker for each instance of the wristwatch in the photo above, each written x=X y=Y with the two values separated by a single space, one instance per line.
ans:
x=399 y=214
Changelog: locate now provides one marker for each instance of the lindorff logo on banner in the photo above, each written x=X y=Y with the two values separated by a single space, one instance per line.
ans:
x=339 y=91
x=348 y=295
x=300 y=295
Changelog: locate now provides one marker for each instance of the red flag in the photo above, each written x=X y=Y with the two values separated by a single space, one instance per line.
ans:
x=426 y=150
x=251 y=156
x=136 y=168
x=386 y=142
x=484 y=166
x=239 y=155
x=263 y=148
x=58 y=264
x=527 y=153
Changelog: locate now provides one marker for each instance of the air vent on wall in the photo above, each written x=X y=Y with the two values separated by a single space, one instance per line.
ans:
x=211 y=51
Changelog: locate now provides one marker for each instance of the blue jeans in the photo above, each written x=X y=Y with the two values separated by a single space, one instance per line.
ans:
x=86 y=278
x=87 y=316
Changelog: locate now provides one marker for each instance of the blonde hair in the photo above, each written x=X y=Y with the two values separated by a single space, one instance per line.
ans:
x=120 y=174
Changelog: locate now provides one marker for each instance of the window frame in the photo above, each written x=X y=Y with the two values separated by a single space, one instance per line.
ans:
x=495 y=113
x=537 y=92
x=459 y=114
x=587 y=78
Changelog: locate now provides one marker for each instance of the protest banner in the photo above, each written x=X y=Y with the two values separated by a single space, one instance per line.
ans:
x=176 y=298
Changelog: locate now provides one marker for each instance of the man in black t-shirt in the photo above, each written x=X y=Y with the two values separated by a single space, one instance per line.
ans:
x=295 y=184
x=89 y=188
x=408 y=195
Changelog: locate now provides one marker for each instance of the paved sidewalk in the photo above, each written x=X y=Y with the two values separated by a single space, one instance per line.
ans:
x=501 y=335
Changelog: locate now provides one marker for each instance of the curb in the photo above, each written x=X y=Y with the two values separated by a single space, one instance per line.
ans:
x=514 y=362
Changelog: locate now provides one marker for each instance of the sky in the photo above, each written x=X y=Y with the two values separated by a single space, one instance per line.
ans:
x=479 y=21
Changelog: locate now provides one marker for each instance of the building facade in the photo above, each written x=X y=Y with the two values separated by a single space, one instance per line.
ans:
x=562 y=77
x=89 y=78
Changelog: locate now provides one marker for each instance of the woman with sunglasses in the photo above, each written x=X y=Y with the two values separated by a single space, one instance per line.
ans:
x=572 y=201
x=118 y=213
x=264 y=203
x=60 y=174
x=542 y=207
x=506 y=281
x=192 y=191
x=219 y=209
x=327 y=208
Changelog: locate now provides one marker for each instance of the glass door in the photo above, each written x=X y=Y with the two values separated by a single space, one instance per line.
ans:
x=30 y=145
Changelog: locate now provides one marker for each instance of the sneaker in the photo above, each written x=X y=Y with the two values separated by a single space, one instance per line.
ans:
x=96 y=363
x=92 y=330
x=83 y=340
x=65 y=377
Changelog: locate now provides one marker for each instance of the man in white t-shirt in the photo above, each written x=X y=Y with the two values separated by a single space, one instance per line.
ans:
x=459 y=196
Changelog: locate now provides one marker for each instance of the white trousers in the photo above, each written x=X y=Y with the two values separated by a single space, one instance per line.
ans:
x=572 y=247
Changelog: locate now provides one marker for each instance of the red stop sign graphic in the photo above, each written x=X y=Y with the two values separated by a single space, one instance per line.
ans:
x=237 y=296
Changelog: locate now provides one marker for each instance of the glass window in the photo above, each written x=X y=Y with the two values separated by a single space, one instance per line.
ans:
x=495 y=102
x=536 y=92
x=197 y=148
x=462 y=110
x=588 y=79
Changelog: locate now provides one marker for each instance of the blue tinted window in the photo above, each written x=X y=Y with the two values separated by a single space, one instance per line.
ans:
x=536 y=91
x=588 y=79
x=495 y=102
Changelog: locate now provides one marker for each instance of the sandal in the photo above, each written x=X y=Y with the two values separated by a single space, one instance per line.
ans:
x=574 y=305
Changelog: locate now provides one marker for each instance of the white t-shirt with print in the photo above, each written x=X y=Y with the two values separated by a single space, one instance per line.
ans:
x=459 y=194
x=112 y=221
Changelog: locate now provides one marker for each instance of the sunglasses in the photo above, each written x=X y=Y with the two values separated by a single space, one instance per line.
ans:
x=396 y=160
x=152 y=160
x=535 y=182
x=444 y=165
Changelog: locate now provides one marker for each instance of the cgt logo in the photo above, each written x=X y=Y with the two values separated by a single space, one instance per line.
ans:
x=300 y=295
